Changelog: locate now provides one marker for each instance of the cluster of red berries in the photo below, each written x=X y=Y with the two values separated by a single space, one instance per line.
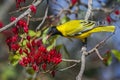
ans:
x=32 y=51
x=20 y=25
x=12 y=41
x=34 y=54
x=38 y=57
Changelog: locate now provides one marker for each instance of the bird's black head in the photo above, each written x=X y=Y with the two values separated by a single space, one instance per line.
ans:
x=53 y=31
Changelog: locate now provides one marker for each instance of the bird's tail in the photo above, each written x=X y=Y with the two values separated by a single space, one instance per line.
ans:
x=103 y=29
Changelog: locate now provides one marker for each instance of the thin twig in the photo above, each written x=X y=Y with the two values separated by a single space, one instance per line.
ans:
x=84 y=53
x=40 y=19
x=20 y=9
x=28 y=19
x=21 y=16
x=70 y=60
x=100 y=44
x=68 y=67
x=89 y=10
x=98 y=54
x=46 y=12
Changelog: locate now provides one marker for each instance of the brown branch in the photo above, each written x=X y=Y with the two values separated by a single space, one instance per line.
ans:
x=68 y=67
x=100 y=44
x=20 y=9
x=70 y=60
x=28 y=11
x=84 y=53
x=44 y=18
x=97 y=52
x=41 y=18
x=84 y=48
x=89 y=10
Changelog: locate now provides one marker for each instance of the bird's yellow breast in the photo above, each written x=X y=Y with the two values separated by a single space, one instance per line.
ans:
x=69 y=27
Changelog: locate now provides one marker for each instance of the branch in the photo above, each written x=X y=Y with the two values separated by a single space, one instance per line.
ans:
x=70 y=60
x=84 y=49
x=20 y=9
x=84 y=53
x=68 y=67
x=89 y=10
x=44 y=18
x=28 y=11
x=97 y=52
x=98 y=45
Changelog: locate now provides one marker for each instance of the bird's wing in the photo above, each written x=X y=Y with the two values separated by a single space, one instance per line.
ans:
x=83 y=26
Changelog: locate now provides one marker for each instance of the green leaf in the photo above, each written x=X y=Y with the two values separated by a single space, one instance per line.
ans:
x=107 y=58
x=65 y=19
x=22 y=35
x=52 y=42
x=44 y=36
x=14 y=59
x=24 y=42
x=31 y=33
x=38 y=33
x=116 y=54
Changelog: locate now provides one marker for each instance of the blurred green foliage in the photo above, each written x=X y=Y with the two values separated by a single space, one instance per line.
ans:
x=7 y=72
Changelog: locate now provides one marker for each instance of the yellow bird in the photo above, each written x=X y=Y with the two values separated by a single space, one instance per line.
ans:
x=80 y=29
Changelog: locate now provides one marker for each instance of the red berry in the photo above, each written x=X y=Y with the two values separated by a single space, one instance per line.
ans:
x=44 y=66
x=117 y=12
x=53 y=73
x=26 y=29
x=42 y=49
x=74 y=2
x=1 y=24
x=20 y=51
x=24 y=61
x=33 y=8
x=29 y=45
x=108 y=19
x=15 y=47
x=14 y=38
x=35 y=67
x=12 y=19
x=28 y=38
x=15 y=30
x=39 y=43
x=33 y=43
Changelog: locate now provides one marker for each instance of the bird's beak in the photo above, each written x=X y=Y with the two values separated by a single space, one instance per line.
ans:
x=48 y=36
